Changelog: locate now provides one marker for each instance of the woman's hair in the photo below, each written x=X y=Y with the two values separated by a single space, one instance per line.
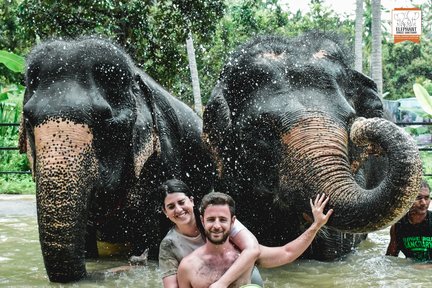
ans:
x=178 y=186
x=173 y=186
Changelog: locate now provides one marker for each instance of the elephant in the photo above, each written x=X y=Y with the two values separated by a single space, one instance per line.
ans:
x=288 y=119
x=101 y=136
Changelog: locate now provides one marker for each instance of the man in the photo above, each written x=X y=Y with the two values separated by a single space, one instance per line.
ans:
x=413 y=233
x=208 y=263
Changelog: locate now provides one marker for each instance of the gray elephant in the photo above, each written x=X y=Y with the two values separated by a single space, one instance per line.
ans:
x=287 y=120
x=101 y=136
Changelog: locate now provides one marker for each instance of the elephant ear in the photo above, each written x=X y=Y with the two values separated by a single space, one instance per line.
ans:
x=144 y=149
x=23 y=141
x=22 y=137
x=217 y=125
x=365 y=98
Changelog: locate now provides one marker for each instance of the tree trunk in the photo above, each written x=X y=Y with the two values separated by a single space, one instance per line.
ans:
x=376 y=55
x=194 y=75
x=358 y=65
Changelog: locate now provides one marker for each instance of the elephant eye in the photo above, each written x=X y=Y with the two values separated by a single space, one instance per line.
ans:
x=112 y=75
x=113 y=80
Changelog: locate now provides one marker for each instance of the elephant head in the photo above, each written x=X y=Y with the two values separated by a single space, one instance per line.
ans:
x=101 y=136
x=287 y=120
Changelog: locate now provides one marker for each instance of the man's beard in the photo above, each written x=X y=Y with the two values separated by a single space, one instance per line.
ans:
x=219 y=241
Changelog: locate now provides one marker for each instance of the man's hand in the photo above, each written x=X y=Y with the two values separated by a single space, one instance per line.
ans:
x=320 y=219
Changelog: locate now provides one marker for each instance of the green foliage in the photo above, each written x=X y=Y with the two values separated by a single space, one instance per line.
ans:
x=11 y=98
x=17 y=184
x=152 y=32
x=12 y=61
x=406 y=63
x=10 y=111
x=423 y=98
x=426 y=157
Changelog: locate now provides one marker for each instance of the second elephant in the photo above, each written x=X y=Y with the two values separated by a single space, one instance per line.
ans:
x=287 y=120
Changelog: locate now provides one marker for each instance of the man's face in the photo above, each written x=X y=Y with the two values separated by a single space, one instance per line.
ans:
x=421 y=204
x=217 y=223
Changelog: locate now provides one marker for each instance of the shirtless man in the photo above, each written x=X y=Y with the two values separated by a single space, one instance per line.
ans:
x=208 y=263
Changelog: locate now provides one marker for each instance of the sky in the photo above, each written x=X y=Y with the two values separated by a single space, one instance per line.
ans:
x=348 y=6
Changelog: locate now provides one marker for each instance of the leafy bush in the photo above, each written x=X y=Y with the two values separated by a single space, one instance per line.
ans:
x=11 y=98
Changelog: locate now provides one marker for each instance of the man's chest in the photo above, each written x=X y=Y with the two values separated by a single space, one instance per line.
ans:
x=212 y=269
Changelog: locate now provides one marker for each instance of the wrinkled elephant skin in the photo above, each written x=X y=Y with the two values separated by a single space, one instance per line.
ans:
x=287 y=120
x=101 y=136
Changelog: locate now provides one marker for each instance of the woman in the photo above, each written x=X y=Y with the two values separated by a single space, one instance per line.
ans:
x=186 y=236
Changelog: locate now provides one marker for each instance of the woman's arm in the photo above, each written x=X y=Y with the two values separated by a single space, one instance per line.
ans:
x=168 y=263
x=170 y=281
x=250 y=251
x=278 y=256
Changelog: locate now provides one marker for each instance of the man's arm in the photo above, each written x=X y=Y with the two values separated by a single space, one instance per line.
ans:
x=278 y=256
x=392 y=249
x=250 y=251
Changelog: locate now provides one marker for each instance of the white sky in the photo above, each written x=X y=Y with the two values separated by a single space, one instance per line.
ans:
x=342 y=7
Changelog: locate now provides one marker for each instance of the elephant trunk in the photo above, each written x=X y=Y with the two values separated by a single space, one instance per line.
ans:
x=316 y=161
x=65 y=171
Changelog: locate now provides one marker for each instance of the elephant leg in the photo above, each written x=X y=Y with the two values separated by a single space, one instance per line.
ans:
x=91 y=242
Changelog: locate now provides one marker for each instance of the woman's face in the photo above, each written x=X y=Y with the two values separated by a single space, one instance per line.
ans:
x=179 y=208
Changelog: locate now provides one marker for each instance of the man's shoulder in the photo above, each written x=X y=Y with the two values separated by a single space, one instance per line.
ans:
x=194 y=255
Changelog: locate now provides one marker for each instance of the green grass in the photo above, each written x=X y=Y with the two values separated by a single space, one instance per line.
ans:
x=17 y=184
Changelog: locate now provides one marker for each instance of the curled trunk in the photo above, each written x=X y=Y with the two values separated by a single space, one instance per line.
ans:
x=65 y=171
x=316 y=161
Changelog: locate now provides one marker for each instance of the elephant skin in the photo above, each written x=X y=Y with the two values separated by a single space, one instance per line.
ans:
x=288 y=120
x=101 y=136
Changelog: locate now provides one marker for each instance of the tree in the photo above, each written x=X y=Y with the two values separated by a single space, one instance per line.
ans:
x=376 y=54
x=194 y=75
x=406 y=63
x=153 y=32
x=358 y=42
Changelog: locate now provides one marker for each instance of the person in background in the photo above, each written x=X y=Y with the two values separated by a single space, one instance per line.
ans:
x=413 y=233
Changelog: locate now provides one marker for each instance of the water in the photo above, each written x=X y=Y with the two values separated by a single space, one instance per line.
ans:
x=21 y=263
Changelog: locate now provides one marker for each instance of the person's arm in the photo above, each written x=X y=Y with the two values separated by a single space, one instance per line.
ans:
x=168 y=264
x=250 y=251
x=170 y=281
x=278 y=256
x=183 y=278
x=393 y=249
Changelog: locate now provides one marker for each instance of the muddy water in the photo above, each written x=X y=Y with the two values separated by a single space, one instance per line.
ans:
x=21 y=263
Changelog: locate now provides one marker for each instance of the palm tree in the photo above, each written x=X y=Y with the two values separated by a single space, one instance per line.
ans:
x=358 y=42
x=194 y=75
x=376 y=54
